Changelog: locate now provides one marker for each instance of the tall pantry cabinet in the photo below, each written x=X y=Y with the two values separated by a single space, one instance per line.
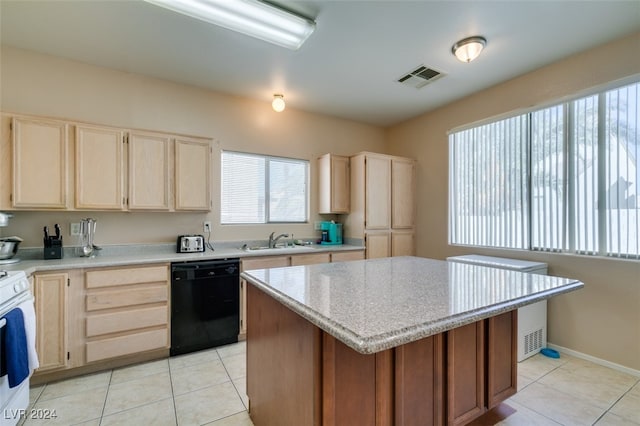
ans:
x=382 y=204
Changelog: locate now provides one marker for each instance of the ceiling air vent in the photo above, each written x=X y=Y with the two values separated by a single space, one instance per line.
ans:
x=420 y=77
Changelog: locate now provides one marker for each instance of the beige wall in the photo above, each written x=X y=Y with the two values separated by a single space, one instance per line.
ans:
x=601 y=320
x=37 y=84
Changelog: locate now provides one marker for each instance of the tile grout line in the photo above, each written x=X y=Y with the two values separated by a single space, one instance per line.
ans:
x=106 y=396
x=608 y=410
x=173 y=396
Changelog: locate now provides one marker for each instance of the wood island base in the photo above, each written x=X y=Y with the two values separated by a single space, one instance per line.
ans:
x=298 y=374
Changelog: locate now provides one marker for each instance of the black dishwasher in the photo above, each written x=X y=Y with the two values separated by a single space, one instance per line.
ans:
x=205 y=304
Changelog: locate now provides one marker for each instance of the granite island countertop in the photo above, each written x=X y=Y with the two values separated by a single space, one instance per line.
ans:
x=377 y=304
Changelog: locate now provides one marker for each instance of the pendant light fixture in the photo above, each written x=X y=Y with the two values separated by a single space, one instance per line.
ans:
x=255 y=18
x=278 y=104
x=468 y=49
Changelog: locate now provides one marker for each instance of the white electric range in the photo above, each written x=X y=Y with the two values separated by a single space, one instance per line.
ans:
x=14 y=291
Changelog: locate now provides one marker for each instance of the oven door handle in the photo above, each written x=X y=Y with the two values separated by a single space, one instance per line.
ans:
x=3 y=322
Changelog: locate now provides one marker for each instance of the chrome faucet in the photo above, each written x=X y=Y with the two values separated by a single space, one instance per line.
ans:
x=273 y=241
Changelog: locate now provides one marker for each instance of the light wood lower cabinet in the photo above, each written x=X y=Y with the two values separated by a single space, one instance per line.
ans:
x=50 y=292
x=378 y=244
x=127 y=311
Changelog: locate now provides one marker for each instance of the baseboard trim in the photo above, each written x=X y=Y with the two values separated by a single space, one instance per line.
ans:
x=595 y=360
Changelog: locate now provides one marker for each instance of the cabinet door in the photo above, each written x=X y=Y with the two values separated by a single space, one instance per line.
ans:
x=465 y=373
x=402 y=243
x=402 y=193
x=333 y=184
x=51 y=325
x=502 y=352
x=377 y=193
x=378 y=244
x=99 y=168
x=192 y=175
x=39 y=163
x=149 y=160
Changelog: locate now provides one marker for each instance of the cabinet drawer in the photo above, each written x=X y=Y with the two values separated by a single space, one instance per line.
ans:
x=345 y=256
x=309 y=259
x=128 y=320
x=265 y=262
x=128 y=297
x=126 y=345
x=114 y=277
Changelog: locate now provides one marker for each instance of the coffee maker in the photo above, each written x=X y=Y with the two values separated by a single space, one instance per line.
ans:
x=331 y=233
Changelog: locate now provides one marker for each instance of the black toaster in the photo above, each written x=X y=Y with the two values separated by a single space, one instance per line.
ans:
x=190 y=244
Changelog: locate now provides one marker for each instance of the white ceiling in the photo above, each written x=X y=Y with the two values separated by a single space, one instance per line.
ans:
x=347 y=68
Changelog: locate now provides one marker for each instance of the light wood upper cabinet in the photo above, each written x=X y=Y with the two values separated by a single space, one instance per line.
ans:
x=402 y=193
x=192 y=174
x=333 y=184
x=382 y=204
x=377 y=192
x=149 y=166
x=99 y=168
x=39 y=163
x=50 y=292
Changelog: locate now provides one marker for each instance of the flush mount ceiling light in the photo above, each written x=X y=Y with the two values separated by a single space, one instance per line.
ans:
x=251 y=17
x=278 y=103
x=466 y=50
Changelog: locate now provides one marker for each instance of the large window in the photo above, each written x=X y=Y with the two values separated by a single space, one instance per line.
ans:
x=563 y=178
x=263 y=189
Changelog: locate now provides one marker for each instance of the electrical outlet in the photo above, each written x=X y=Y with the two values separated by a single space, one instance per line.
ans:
x=206 y=227
x=74 y=229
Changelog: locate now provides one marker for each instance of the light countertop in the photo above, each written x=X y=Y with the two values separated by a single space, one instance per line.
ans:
x=32 y=260
x=373 y=305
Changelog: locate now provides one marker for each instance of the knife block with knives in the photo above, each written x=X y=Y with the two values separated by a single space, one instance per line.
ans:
x=52 y=243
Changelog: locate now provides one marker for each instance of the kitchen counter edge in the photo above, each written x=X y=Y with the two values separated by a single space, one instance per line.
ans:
x=150 y=255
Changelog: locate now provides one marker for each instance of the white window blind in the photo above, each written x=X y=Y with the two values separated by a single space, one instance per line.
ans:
x=488 y=201
x=262 y=189
x=547 y=179
x=563 y=178
x=622 y=174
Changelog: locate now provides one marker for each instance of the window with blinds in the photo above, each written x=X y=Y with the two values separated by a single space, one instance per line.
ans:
x=263 y=189
x=562 y=178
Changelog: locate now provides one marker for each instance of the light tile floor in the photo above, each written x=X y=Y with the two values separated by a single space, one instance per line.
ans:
x=208 y=388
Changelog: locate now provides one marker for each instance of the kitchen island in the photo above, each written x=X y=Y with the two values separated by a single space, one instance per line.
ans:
x=401 y=340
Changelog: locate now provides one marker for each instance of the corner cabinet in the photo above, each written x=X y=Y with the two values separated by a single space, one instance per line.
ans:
x=333 y=184
x=382 y=204
x=39 y=163
x=192 y=174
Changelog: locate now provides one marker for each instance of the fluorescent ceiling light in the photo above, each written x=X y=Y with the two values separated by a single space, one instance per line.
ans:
x=251 y=17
